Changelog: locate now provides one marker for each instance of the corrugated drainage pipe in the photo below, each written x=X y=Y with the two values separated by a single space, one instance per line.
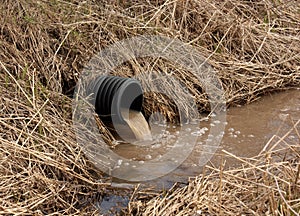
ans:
x=111 y=94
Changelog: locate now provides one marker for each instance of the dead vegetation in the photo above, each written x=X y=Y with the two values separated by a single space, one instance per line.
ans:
x=253 y=46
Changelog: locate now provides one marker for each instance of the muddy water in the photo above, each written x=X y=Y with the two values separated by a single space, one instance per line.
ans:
x=138 y=124
x=247 y=130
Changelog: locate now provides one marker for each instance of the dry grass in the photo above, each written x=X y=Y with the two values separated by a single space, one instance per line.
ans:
x=42 y=168
x=254 y=47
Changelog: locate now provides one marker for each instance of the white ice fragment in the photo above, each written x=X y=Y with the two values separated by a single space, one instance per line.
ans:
x=119 y=162
x=199 y=132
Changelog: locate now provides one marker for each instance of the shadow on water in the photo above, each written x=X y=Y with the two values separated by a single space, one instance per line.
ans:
x=112 y=204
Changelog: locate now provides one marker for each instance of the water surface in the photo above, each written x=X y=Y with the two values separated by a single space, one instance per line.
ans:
x=247 y=130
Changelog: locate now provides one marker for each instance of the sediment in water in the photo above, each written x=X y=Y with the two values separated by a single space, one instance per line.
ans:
x=138 y=124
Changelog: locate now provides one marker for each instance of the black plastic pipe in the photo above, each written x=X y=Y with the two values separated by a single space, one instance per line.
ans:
x=113 y=93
